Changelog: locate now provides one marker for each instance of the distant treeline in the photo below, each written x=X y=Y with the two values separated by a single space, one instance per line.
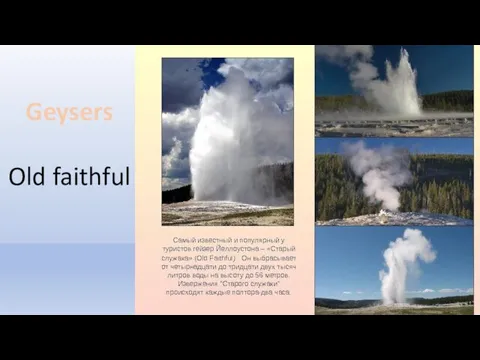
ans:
x=459 y=100
x=355 y=304
x=345 y=304
x=271 y=181
x=443 y=300
x=180 y=194
x=442 y=184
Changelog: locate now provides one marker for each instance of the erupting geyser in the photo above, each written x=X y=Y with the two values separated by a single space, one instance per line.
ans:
x=396 y=94
x=403 y=254
x=239 y=130
x=382 y=170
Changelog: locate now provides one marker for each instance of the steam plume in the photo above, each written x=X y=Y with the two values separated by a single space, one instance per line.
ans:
x=382 y=171
x=400 y=257
x=238 y=130
x=397 y=94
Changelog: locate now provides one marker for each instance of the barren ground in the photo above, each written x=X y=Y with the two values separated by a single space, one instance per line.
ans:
x=453 y=309
x=399 y=219
x=225 y=213
x=453 y=129
x=429 y=124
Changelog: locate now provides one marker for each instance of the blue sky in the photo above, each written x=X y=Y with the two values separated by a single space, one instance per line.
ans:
x=348 y=260
x=416 y=145
x=211 y=77
x=439 y=68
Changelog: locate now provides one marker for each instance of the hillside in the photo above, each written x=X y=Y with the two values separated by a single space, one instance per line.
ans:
x=356 y=304
x=449 y=101
x=271 y=181
x=442 y=184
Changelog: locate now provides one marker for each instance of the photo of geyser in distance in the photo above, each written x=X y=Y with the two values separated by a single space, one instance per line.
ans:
x=227 y=141
x=394 y=271
x=394 y=91
x=394 y=181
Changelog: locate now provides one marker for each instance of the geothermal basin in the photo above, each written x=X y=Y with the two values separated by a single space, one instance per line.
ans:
x=384 y=125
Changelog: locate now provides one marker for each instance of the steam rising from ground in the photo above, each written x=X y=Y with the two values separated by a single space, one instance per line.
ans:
x=397 y=94
x=382 y=170
x=401 y=257
x=216 y=137
x=237 y=133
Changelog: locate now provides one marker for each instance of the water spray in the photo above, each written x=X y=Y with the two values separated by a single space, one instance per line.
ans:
x=239 y=131
x=401 y=256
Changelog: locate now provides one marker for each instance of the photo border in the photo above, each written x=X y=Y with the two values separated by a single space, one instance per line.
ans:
x=293 y=135
x=150 y=236
x=476 y=174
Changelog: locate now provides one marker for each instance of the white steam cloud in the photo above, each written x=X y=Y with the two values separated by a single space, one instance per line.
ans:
x=397 y=94
x=214 y=138
x=401 y=256
x=382 y=170
x=238 y=131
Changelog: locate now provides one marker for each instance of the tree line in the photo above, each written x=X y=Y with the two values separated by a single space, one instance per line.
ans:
x=271 y=181
x=442 y=184
x=458 y=100
x=443 y=300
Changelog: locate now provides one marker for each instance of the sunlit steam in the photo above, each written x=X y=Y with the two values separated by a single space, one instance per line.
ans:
x=238 y=130
x=396 y=94
x=402 y=256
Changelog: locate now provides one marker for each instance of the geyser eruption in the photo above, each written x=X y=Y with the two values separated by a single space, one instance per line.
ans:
x=401 y=256
x=238 y=131
x=397 y=94
x=382 y=170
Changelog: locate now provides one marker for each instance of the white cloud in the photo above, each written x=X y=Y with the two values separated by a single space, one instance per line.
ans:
x=442 y=291
x=425 y=291
x=347 y=293
x=182 y=84
x=177 y=131
x=282 y=95
x=174 y=167
x=342 y=53
x=447 y=290
x=460 y=291
x=267 y=72
x=182 y=88
x=274 y=76
x=359 y=292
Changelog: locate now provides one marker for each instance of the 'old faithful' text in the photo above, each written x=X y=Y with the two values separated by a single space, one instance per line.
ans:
x=77 y=177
